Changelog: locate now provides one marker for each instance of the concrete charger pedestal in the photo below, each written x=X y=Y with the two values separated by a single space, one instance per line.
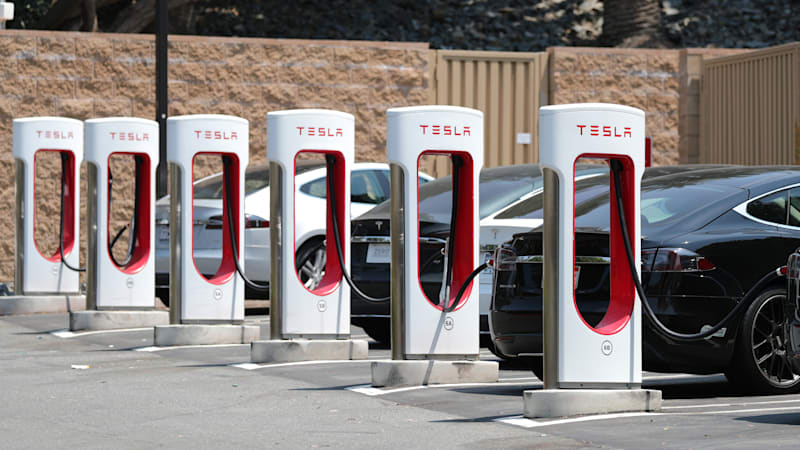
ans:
x=116 y=319
x=38 y=304
x=202 y=334
x=550 y=403
x=292 y=350
x=396 y=373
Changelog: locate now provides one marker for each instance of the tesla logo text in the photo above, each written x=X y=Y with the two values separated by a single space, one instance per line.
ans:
x=320 y=131
x=216 y=135
x=445 y=130
x=129 y=136
x=607 y=131
x=54 y=134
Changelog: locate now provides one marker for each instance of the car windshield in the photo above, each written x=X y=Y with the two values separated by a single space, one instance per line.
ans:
x=255 y=178
x=499 y=187
x=662 y=205
x=533 y=207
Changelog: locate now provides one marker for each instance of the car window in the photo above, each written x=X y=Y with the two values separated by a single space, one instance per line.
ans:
x=211 y=188
x=794 y=207
x=365 y=187
x=315 y=188
x=771 y=208
x=662 y=205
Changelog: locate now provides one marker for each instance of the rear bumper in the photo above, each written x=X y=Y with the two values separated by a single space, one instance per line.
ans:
x=519 y=333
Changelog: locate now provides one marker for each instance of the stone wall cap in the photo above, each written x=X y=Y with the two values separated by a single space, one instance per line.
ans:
x=583 y=107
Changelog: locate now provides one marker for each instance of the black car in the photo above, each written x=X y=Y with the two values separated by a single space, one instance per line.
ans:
x=708 y=236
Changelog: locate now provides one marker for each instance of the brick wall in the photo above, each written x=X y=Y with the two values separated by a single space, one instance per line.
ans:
x=646 y=79
x=83 y=75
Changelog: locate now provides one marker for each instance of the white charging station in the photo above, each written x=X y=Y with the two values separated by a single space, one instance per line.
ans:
x=434 y=340
x=585 y=366
x=198 y=300
x=42 y=282
x=316 y=320
x=120 y=292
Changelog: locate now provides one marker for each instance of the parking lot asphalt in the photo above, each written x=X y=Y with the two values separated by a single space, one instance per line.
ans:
x=114 y=390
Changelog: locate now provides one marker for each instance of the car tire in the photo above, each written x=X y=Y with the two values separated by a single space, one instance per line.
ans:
x=310 y=262
x=760 y=362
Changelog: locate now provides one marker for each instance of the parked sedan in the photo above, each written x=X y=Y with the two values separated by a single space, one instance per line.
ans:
x=707 y=237
x=501 y=188
x=369 y=186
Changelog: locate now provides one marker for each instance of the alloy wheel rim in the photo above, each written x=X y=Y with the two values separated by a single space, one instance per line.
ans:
x=313 y=268
x=769 y=343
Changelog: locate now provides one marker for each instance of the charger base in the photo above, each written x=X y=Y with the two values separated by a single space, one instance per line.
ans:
x=114 y=320
x=293 y=350
x=550 y=403
x=39 y=304
x=176 y=335
x=396 y=373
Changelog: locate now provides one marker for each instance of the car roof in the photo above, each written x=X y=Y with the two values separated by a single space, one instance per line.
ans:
x=754 y=179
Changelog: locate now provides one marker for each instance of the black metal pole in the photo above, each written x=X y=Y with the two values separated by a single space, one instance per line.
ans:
x=162 y=98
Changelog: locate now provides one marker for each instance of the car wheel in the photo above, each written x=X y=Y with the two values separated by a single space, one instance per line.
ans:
x=760 y=361
x=310 y=262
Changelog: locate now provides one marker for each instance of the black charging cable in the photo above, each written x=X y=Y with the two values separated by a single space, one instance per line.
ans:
x=133 y=226
x=330 y=162
x=227 y=164
x=616 y=168
x=76 y=240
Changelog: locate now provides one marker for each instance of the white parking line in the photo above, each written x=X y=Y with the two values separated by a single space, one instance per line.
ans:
x=737 y=411
x=66 y=334
x=151 y=349
x=522 y=421
x=253 y=366
x=367 y=389
x=720 y=405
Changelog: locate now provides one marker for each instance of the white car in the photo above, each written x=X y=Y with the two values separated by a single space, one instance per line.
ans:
x=369 y=186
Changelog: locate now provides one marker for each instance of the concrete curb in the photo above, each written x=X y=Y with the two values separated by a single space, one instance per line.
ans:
x=292 y=350
x=423 y=372
x=573 y=402
x=112 y=320
x=173 y=335
x=37 y=304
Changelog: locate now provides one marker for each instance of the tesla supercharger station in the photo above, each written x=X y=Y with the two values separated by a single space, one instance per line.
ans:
x=201 y=305
x=43 y=283
x=120 y=291
x=605 y=360
x=317 y=321
x=434 y=340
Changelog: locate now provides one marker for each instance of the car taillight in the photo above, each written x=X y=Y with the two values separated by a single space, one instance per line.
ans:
x=505 y=259
x=674 y=260
x=253 y=221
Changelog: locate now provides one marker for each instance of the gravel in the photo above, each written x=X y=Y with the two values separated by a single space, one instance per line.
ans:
x=505 y=25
